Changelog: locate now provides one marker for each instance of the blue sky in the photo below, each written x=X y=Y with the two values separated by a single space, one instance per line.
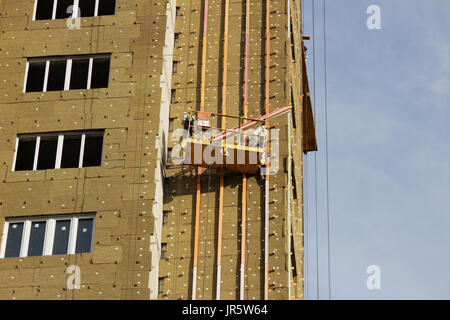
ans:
x=388 y=132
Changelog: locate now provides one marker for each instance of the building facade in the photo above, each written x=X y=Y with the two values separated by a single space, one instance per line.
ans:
x=92 y=205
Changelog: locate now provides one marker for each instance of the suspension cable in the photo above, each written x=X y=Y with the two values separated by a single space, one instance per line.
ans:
x=326 y=146
x=315 y=154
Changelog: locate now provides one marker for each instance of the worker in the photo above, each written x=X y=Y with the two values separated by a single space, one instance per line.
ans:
x=188 y=123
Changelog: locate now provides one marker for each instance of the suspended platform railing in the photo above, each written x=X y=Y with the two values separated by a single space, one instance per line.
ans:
x=240 y=149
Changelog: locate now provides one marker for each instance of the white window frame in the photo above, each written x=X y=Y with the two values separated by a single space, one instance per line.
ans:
x=59 y=148
x=49 y=232
x=75 y=3
x=26 y=77
x=68 y=73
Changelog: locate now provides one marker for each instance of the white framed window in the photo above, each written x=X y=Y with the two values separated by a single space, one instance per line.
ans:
x=61 y=9
x=67 y=73
x=47 y=235
x=58 y=150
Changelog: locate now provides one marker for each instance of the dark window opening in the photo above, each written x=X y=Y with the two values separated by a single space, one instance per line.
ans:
x=62 y=9
x=173 y=94
x=165 y=218
x=175 y=67
x=163 y=250
x=14 y=241
x=100 y=73
x=106 y=7
x=293 y=52
x=44 y=9
x=294 y=124
x=293 y=264
x=47 y=152
x=37 y=236
x=160 y=285
x=61 y=240
x=171 y=121
x=36 y=75
x=79 y=74
x=56 y=75
x=294 y=182
x=177 y=12
x=176 y=38
x=87 y=8
x=65 y=8
x=25 y=154
x=84 y=235
x=51 y=154
x=93 y=151
x=71 y=151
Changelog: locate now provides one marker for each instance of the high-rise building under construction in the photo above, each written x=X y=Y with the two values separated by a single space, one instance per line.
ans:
x=99 y=198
